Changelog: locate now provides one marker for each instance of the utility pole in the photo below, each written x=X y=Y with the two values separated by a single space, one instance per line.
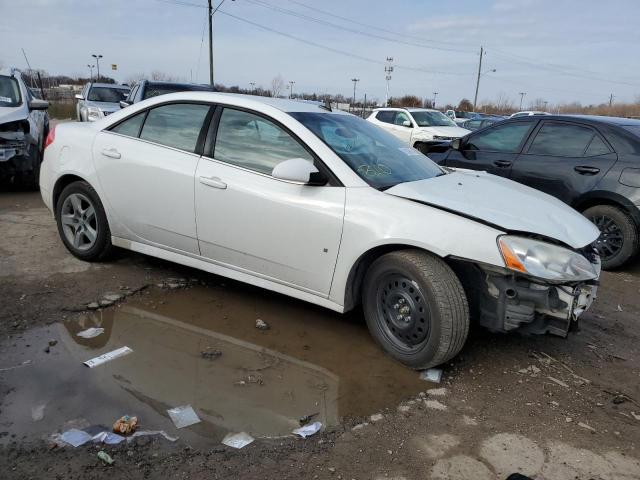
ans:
x=388 y=69
x=355 y=81
x=97 y=57
x=435 y=94
x=364 y=105
x=253 y=87
x=291 y=82
x=475 y=98
x=210 y=12
x=91 y=72
x=522 y=94
x=610 y=100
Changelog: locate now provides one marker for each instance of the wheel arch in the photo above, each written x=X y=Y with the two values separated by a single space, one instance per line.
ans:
x=60 y=184
x=594 y=198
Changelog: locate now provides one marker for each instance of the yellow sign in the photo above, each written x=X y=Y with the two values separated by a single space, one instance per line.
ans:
x=114 y=66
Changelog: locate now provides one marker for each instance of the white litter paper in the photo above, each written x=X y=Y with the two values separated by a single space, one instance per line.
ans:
x=308 y=430
x=237 y=440
x=107 y=357
x=109 y=438
x=90 y=332
x=432 y=375
x=183 y=416
x=75 y=437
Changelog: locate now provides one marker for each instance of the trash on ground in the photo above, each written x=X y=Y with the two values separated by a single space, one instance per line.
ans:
x=107 y=357
x=585 y=426
x=108 y=437
x=531 y=369
x=308 y=430
x=105 y=457
x=262 y=325
x=144 y=433
x=75 y=437
x=90 y=332
x=125 y=425
x=635 y=415
x=53 y=343
x=23 y=364
x=435 y=405
x=432 y=375
x=112 y=297
x=558 y=382
x=210 y=353
x=37 y=412
x=307 y=418
x=437 y=392
x=237 y=440
x=183 y=416
x=619 y=309
x=376 y=417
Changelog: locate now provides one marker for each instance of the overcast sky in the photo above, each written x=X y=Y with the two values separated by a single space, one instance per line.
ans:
x=559 y=50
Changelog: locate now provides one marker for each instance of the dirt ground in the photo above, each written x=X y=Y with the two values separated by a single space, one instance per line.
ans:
x=546 y=407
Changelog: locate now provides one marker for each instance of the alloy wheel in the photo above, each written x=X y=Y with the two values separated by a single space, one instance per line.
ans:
x=79 y=221
x=611 y=238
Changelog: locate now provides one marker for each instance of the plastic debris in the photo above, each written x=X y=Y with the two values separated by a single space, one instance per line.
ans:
x=75 y=437
x=105 y=457
x=107 y=357
x=210 y=353
x=143 y=433
x=90 y=332
x=183 y=416
x=308 y=430
x=108 y=438
x=558 y=382
x=432 y=375
x=37 y=412
x=586 y=427
x=237 y=440
x=125 y=425
x=262 y=325
x=307 y=418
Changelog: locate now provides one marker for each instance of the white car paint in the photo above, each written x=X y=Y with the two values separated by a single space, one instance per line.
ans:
x=291 y=238
x=528 y=113
x=414 y=133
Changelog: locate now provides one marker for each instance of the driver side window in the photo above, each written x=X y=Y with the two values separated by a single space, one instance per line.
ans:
x=502 y=138
x=401 y=117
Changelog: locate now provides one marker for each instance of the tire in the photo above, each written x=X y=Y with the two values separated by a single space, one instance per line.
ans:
x=93 y=242
x=618 y=241
x=437 y=304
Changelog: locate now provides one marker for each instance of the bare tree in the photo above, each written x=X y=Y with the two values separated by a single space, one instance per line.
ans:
x=159 y=76
x=135 y=78
x=277 y=85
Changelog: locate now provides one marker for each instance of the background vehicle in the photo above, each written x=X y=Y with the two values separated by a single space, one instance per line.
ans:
x=325 y=207
x=460 y=116
x=98 y=100
x=481 y=122
x=420 y=128
x=24 y=125
x=589 y=162
x=147 y=89
x=528 y=113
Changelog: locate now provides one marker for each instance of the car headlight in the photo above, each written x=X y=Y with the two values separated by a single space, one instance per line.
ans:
x=544 y=260
x=93 y=114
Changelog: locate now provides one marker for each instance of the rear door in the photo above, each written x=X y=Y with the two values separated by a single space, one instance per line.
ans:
x=564 y=159
x=493 y=150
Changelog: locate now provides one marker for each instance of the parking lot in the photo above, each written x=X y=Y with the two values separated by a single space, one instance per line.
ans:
x=545 y=406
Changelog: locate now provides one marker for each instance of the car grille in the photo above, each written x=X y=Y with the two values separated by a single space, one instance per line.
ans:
x=438 y=137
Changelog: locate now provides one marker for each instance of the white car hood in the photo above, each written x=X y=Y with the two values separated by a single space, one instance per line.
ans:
x=11 y=114
x=454 y=132
x=503 y=203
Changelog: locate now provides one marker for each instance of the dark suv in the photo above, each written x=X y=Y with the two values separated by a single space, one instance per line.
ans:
x=147 y=89
x=592 y=163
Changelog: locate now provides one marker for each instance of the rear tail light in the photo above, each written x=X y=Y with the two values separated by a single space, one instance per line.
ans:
x=50 y=137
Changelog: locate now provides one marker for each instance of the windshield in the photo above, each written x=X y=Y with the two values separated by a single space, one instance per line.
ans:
x=107 y=94
x=378 y=157
x=465 y=114
x=425 y=118
x=9 y=92
x=155 y=90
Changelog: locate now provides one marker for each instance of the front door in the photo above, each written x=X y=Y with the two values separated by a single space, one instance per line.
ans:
x=253 y=222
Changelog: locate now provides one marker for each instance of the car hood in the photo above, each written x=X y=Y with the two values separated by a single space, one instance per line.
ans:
x=12 y=114
x=503 y=203
x=105 y=106
x=454 y=132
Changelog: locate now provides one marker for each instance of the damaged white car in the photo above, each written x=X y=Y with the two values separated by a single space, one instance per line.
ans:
x=325 y=207
x=24 y=125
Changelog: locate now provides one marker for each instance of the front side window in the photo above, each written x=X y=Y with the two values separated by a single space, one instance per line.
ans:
x=561 y=140
x=386 y=116
x=379 y=158
x=503 y=138
x=106 y=94
x=253 y=142
x=400 y=118
x=176 y=125
x=131 y=126
x=9 y=92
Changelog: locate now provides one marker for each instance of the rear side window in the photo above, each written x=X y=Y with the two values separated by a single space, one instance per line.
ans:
x=597 y=147
x=385 y=116
x=131 y=126
x=502 y=138
x=253 y=142
x=561 y=140
x=177 y=125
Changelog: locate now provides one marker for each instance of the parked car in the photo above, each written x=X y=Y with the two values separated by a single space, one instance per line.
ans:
x=97 y=100
x=147 y=89
x=24 y=125
x=528 y=113
x=480 y=122
x=460 y=116
x=325 y=207
x=420 y=128
x=591 y=163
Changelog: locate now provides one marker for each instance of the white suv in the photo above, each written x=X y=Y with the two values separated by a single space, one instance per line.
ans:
x=419 y=127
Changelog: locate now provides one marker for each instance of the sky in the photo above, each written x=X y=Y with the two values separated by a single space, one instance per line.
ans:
x=556 y=50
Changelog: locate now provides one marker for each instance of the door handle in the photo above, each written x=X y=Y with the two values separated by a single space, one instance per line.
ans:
x=584 y=170
x=111 y=152
x=502 y=163
x=214 y=182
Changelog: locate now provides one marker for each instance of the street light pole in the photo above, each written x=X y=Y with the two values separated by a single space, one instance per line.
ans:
x=388 y=69
x=522 y=94
x=355 y=81
x=475 y=98
x=91 y=72
x=291 y=82
x=253 y=87
x=97 y=57
x=435 y=94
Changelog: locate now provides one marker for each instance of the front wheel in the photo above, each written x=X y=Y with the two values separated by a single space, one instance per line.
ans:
x=415 y=308
x=618 y=240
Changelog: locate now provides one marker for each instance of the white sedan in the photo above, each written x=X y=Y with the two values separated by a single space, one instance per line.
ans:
x=325 y=207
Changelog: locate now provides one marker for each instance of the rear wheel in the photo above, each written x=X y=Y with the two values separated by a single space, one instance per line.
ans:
x=618 y=240
x=415 y=308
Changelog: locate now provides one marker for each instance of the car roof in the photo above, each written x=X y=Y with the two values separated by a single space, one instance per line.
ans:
x=582 y=118
x=202 y=86
x=108 y=85
x=406 y=109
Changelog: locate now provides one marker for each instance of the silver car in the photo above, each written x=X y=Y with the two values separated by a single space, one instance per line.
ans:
x=98 y=100
x=24 y=125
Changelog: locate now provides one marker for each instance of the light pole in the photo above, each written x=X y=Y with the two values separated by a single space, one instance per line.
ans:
x=522 y=94
x=253 y=87
x=97 y=57
x=388 y=69
x=435 y=94
x=291 y=82
x=545 y=105
x=355 y=81
x=91 y=72
x=211 y=12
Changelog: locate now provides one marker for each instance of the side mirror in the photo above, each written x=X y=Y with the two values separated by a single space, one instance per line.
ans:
x=298 y=170
x=79 y=96
x=456 y=144
x=124 y=104
x=450 y=114
x=37 y=104
x=406 y=123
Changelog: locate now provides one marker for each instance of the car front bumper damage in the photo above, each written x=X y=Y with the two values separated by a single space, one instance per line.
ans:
x=17 y=147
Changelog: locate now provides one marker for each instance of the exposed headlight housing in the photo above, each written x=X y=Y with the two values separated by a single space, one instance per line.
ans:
x=93 y=114
x=545 y=260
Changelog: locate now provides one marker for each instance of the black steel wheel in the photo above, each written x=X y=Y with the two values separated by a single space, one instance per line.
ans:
x=618 y=240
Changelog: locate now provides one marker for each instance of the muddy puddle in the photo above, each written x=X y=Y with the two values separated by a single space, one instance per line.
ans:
x=309 y=362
